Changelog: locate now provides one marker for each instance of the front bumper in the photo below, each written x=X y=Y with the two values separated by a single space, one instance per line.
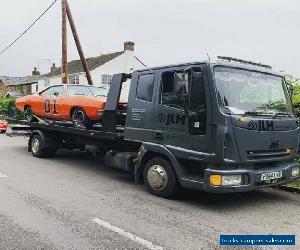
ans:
x=251 y=178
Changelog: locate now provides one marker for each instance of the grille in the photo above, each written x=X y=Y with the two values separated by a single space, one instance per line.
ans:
x=258 y=154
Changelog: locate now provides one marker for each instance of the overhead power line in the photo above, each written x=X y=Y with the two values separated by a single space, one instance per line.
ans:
x=20 y=36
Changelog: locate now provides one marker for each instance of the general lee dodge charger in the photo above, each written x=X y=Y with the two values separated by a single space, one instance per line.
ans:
x=78 y=103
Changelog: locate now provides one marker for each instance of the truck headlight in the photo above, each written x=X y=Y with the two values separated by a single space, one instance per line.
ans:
x=296 y=172
x=231 y=180
x=225 y=180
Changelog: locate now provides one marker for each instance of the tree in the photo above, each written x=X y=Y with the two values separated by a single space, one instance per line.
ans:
x=295 y=82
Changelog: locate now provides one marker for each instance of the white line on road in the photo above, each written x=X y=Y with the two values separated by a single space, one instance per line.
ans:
x=128 y=235
x=3 y=176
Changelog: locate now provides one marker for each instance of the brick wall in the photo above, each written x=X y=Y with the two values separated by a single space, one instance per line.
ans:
x=25 y=89
x=3 y=88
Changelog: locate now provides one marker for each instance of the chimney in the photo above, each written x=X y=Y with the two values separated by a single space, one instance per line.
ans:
x=129 y=46
x=35 y=72
x=53 y=67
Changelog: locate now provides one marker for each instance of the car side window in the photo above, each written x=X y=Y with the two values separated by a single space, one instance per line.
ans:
x=174 y=89
x=79 y=91
x=145 y=87
x=58 y=90
x=47 y=92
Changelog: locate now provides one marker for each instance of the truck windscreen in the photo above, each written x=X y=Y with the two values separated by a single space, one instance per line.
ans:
x=245 y=92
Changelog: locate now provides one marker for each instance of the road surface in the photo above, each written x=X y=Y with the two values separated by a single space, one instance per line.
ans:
x=75 y=202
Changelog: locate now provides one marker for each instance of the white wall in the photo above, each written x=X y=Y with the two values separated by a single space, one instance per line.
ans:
x=125 y=63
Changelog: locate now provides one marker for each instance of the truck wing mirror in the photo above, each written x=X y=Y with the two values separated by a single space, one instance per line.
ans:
x=290 y=88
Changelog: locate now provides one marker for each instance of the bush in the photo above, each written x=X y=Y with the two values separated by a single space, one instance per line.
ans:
x=295 y=82
x=8 y=108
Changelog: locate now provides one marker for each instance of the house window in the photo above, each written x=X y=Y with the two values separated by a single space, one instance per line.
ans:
x=106 y=79
x=47 y=82
x=74 y=79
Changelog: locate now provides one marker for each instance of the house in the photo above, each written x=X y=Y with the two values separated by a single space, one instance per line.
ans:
x=101 y=67
x=18 y=86
x=14 y=94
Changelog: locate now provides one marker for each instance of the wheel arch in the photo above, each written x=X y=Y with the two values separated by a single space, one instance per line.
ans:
x=149 y=151
x=26 y=105
x=73 y=108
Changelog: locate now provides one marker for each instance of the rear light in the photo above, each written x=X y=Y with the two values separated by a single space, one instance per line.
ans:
x=100 y=113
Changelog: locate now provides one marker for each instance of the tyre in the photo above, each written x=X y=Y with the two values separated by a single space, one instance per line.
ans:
x=80 y=119
x=38 y=149
x=160 y=178
x=29 y=115
x=2 y=131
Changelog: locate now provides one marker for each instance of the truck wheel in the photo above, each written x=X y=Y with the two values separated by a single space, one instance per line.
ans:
x=80 y=119
x=160 y=178
x=29 y=115
x=38 y=149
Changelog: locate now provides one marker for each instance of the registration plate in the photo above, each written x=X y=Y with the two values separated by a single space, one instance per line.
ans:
x=271 y=176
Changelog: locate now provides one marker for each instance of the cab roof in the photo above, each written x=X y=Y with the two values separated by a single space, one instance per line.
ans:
x=211 y=64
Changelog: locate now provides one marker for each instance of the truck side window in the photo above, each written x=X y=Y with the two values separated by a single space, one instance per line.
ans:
x=174 y=89
x=144 y=89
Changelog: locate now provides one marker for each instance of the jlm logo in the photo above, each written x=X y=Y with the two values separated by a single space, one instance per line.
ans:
x=171 y=119
x=274 y=145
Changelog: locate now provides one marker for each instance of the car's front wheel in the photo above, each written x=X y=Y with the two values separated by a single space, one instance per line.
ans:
x=29 y=115
x=80 y=119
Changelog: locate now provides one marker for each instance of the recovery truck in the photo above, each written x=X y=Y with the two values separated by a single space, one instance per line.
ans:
x=223 y=126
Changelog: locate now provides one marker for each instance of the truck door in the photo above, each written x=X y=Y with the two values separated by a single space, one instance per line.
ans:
x=181 y=110
x=140 y=110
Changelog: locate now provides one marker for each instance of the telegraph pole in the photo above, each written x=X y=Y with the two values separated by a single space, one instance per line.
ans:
x=78 y=45
x=64 y=73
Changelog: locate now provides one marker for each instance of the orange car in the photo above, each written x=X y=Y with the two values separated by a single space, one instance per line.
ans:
x=3 y=126
x=78 y=103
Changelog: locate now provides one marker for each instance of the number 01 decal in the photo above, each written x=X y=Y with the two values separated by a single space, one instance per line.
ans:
x=47 y=106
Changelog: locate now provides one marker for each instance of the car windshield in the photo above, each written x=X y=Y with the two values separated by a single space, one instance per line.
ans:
x=249 y=92
x=99 y=91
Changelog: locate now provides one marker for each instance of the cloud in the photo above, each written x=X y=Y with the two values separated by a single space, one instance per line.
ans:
x=167 y=31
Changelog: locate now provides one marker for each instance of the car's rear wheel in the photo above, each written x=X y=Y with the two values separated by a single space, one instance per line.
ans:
x=29 y=115
x=2 y=131
x=80 y=119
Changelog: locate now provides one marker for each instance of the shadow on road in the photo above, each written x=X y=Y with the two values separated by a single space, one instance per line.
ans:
x=238 y=200
x=80 y=160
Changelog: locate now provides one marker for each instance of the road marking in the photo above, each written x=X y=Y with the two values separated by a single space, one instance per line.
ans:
x=3 y=176
x=128 y=235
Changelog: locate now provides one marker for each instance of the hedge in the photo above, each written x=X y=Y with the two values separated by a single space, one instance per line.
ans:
x=8 y=108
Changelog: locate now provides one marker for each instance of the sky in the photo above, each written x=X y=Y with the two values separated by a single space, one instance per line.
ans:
x=165 y=31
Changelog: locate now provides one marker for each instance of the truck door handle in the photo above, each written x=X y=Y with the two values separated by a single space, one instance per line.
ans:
x=158 y=136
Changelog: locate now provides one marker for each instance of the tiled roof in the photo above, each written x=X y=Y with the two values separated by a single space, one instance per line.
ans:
x=14 y=94
x=12 y=81
x=93 y=62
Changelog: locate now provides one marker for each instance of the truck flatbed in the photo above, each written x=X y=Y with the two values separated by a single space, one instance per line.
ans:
x=67 y=128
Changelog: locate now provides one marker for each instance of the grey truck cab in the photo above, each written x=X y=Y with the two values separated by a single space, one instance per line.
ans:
x=226 y=126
